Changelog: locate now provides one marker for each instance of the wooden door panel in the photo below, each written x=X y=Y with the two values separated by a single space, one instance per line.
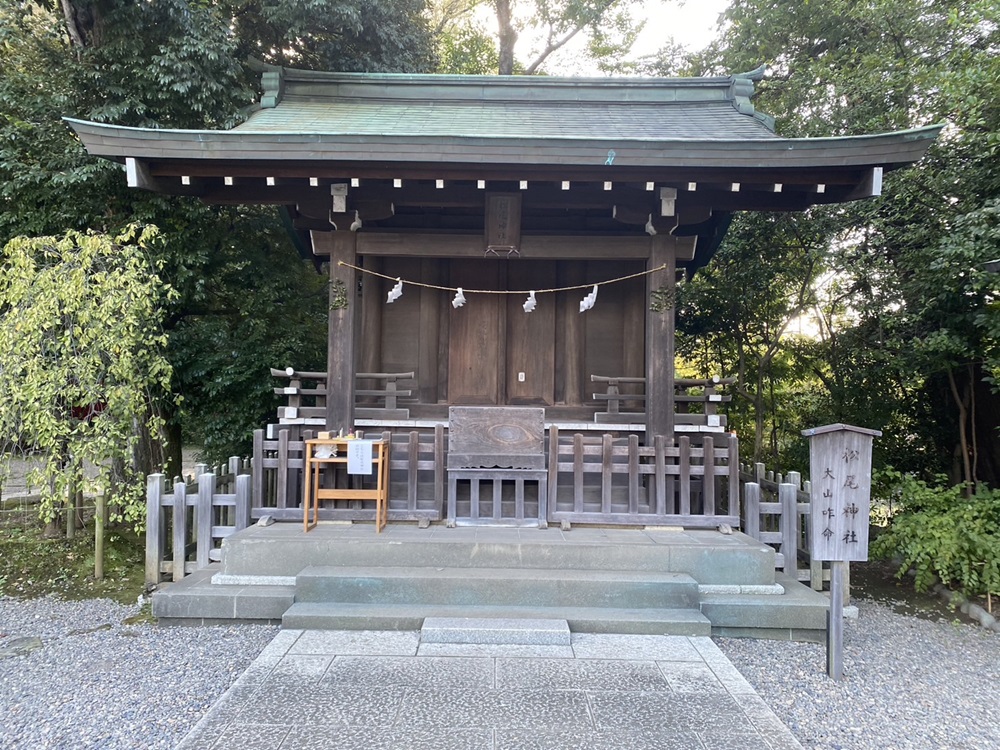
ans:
x=475 y=344
x=531 y=337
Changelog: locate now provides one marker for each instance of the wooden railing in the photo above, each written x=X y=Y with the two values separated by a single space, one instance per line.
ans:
x=776 y=512
x=592 y=479
x=671 y=483
x=306 y=395
x=185 y=526
x=416 y=477
x=702 y=394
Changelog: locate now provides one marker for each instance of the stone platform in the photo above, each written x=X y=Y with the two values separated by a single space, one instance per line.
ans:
x=345 y=576
x=365 y=690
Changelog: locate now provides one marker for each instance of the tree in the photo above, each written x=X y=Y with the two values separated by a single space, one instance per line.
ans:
x=607 y=29
x=181 y=63
x=83 y=362
x=735 y=314
x=907 y=343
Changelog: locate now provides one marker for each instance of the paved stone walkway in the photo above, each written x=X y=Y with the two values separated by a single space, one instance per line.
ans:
x=340 y=690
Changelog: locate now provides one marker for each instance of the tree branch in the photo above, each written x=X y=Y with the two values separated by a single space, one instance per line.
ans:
x=71 y=27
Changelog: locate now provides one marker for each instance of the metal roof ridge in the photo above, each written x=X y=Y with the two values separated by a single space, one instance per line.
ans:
x=453 y=79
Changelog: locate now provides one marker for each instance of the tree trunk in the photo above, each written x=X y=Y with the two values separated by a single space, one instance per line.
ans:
x=71 y=510
x=99 y=537
x=963 y=418
x=507 y=36
x=972 y=421
x=71 y=26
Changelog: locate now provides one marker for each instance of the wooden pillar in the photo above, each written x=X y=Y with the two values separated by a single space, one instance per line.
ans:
x=340 y=246
x=570 y=385
x=372 y=304
x=660 y=293
x=429 y=332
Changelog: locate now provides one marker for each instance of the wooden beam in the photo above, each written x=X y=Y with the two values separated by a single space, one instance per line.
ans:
x=554 y=247
x=340 y=334
x=334 y=171
x=138 y=176
x=660 y=293
x=870 y=186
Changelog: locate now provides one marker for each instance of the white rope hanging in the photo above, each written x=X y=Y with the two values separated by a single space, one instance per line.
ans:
x=529 y=304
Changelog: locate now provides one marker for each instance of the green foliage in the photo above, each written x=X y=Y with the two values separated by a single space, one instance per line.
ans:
x=908 y=320
x=943 y=534
x=82 y=359
x=34 y=565
x=224 y=339
x=375 y=36
x=467 y=49
x=246 y=301
x=733 y=317
x=542 y=31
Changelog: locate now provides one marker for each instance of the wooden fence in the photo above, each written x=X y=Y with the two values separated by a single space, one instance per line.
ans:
x=185 y=526
x=592 y=479
x=776 y=512
x=670 y=482
x=417 y=474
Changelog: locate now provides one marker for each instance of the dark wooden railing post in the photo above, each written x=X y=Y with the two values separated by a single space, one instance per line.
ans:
x=440 y=467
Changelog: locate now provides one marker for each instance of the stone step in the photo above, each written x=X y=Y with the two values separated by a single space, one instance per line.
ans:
x=531 y=587
x=799 y=614
x=282 y=550
x=195 y=600
x=355 y=616
x=493 y=630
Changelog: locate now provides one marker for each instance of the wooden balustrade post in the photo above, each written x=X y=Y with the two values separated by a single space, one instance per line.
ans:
x=179 y=545
x=156 y=485
x=751 y=500
x=203 y=518
x=788 y=497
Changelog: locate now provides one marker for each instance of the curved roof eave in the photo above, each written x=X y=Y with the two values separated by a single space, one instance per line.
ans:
x=889 y=150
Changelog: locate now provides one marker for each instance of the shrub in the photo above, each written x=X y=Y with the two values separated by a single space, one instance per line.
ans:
x=941 y=533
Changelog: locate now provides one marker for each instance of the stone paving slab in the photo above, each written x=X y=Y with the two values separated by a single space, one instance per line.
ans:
x=362 y=690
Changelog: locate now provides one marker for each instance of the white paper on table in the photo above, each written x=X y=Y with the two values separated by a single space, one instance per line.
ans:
x=359 y=456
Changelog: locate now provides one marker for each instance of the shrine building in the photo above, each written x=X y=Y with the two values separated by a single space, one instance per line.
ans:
x=505 y=251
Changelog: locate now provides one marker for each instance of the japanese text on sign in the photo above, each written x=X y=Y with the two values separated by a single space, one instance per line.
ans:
x=840 y=462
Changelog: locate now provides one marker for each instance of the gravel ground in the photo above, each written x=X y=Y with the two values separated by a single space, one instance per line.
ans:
x=98 y=683
x=910 y=683
x=95 y=682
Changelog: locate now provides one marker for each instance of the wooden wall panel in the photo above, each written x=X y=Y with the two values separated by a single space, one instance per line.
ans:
x=531 y=337
x=369 y=349
x=428 y=358
x=476 y=334
x=605 y=325
x=401 y=320
x=570 y=387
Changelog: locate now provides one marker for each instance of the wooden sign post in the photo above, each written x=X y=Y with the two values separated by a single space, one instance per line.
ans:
x=840 y=465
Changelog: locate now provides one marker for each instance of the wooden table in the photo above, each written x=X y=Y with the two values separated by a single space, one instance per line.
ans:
x=314 y=466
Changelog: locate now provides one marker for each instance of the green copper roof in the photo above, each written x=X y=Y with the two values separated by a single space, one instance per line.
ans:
x=474 y=127
x=508 y=107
